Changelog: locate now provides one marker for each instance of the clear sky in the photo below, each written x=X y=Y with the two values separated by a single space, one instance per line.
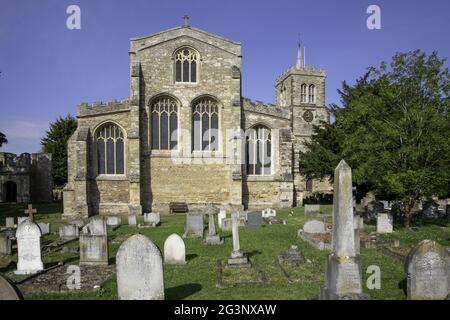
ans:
x=47 y=69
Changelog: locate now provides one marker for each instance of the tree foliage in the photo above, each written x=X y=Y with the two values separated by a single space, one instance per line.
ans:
x=393 y=129
x=55 y=142
x=3 y=139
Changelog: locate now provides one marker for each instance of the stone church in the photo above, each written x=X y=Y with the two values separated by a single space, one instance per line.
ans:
x=186 y=133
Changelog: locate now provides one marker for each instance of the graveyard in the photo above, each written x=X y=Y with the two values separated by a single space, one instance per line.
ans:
x=203 y=276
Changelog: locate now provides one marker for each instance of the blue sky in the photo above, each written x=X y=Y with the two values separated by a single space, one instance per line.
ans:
x=47 y=69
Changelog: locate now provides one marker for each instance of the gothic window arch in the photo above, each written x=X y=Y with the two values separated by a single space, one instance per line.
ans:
x=164 y=123
x=258 y=151
x=110 y=144
x=205 y=123
x=186 y=65
x=312 y=94
x=303 y=93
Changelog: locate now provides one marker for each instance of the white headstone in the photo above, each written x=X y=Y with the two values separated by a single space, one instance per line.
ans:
x=132 y=220
x=139 y=270
x=222 y=215
x=9 y=222
x=314 y=226
x=68 y=231
x=94 y=243
x=174 y=250
x=385 y=223
x=152 y=218
x=113 y=221
x=267 y=213
x=96 y=227
x=28 y=248
x=312 y=208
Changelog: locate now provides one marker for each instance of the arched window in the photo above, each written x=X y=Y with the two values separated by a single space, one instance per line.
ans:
x=110 y=150
x=205 y=116
x=186 y=65
x=312 y=93
x=283 y=97
x=303 y=93
x=258 y=151
x=164 y=123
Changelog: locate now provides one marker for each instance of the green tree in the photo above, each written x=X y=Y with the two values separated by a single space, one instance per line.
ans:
x=3 y=139
x=55 y=142
x=393 y=129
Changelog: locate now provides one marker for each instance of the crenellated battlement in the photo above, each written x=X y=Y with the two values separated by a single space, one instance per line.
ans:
x=85 y=110
x=10 y=162
x=266 y=108
x=304 y=71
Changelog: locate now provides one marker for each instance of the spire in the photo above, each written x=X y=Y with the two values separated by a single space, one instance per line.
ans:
x=299 y=64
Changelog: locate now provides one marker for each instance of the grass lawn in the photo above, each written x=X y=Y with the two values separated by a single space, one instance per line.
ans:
x=197 y=279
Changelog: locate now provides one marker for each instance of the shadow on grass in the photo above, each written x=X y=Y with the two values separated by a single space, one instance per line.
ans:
x=253 y=253
x=190 y=257
x=182 y=292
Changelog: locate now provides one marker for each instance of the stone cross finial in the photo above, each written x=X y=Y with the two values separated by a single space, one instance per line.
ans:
x=186 y=20
x=30 y=211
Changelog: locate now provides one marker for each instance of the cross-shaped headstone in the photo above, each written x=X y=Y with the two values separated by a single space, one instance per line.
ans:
x=186 y=20
x=30 y=211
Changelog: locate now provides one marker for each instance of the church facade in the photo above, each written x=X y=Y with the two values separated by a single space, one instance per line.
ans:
x=186 y=133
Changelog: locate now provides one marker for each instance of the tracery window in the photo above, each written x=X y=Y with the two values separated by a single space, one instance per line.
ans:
x=164 y=123
x=258 y=151
x=205 y=116
x=110 y=150
x=312 y=93
x=186 y=65
x=303 y=93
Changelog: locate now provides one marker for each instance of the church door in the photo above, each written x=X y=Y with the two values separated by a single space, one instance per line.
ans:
x=10 y=188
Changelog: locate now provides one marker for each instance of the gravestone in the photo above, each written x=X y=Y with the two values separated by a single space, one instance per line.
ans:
x=193 y=225
x=343 y=278
x=292 y=255
x=243 y=216
x=45 y=228
x=174 y=250
x=132 y=220
x=94 y=243
x=226 y=224
x=139 y=270
x=113 y=221
x=21 y=219
x=428 y=272
x=5 y=244
x=386 y=204
x=9 y=222
x=222 y=215
x=268 y=213
x=237 y=258
x=28 y=248
x=152 y=218
x=385 y=223
x=68 y=231
x=254 y=220
x=8 y=291
x=78 y=223
x=370 y=196
x=314 y=226
x=312 y=209
x=212 y=237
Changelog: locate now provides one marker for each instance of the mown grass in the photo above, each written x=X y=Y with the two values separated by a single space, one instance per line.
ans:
x=197 y=279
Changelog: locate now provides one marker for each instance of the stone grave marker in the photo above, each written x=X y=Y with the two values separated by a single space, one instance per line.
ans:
x=314 y=226
x=226 y=224
x=45 y=228
x=113 y=221
x=31 y=212
x=132 y=221
x=9 y=222
x=68 y=231
x=243 y=216
x=343 y=278
x=213 y=237
x=222 y=215
x=254 y=220
x=5 y=244
x=28 y=248
x=8 y=291
x=385 y=223
x=268 y=213
x=139 y=270
x=312 y=209
x=152 y=218
x=174 y=250
x=193 y=225
x=94 y=243
x=428 y=272
x=237 y=257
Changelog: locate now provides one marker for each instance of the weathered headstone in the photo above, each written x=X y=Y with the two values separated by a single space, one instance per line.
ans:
x=113 y=221
x=132 y=220
x=314 y=226
x=370 y=196
x=268 y=213
x=8 y=291
x=222 y=215
x=237 y=257
x=9 y=222
x=68 y=231
x=45 y=228
x=152 y=218
x=139 y=270
x=226 y=224
x=193 y=225
x=343 y=279
x=243 y=216
x=28 y=248
x=312 y=209
x=212 y=237
x=174 y=250
x=254 y=220
x=5 y=244
x=428 y=272
x=94 y=243
x=385 y=223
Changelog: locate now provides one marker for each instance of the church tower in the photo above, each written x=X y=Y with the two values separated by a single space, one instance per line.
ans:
x=302 y=89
